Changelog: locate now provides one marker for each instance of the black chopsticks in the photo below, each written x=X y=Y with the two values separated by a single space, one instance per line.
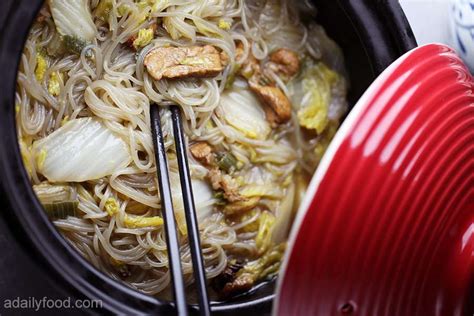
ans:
x=172 y=242
x=189 y=210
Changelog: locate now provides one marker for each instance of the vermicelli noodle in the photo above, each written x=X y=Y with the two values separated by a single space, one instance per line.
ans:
x=84 y=129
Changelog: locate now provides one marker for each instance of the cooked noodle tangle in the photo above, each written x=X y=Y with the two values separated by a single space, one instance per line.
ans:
x=108 y=81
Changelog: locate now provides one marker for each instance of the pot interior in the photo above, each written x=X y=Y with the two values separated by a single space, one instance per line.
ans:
x=368 y=45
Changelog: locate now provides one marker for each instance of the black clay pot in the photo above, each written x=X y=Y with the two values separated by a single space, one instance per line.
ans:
x=372 y=35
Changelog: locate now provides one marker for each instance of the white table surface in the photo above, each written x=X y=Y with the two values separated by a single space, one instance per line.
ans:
x=429 y=20
x=449 y=22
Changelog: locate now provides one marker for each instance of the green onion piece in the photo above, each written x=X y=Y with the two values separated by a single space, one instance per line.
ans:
x=219 y=196
x=61 y=210
x=73 y=44
x=227 y=162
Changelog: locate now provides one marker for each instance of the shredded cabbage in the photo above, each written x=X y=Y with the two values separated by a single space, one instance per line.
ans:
x=132 y=221
x=53 y=84
x=111 y=206
x=73 y=18
x=242 y=110
x=225 y=25
x=283 y=215
x=81 y=150
x=265 y=228
x=313 y=96
x=41 y=66
x=265 y=190
x=259 y=182
x=145 y=36
x=203 y=200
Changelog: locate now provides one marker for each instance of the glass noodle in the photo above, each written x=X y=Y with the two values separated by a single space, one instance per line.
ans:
x=109 y=82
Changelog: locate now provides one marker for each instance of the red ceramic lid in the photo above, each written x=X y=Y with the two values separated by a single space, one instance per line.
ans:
x=387 y=227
